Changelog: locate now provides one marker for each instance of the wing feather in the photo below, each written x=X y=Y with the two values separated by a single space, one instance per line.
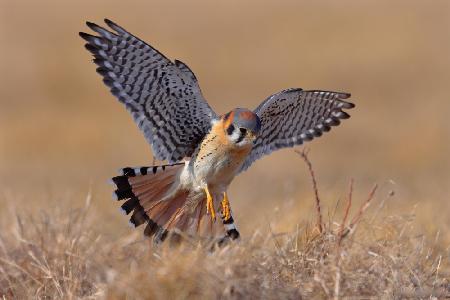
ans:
x=163 y=97
x=294 y=116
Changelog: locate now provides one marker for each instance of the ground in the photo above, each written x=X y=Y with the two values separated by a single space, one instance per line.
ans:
x=62 y=253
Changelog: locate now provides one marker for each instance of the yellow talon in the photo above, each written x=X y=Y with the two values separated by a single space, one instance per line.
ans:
x=210 y=204
x=226 y=207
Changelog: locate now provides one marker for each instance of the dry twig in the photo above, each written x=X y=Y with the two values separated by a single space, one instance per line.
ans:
x=361 y=211
x=304 y=155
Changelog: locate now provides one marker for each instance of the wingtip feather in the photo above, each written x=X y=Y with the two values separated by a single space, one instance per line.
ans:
x=345 y=95
x=108 y=21
x=114 y=26
x=84 y=35
x=350 y=105
x=92 y=25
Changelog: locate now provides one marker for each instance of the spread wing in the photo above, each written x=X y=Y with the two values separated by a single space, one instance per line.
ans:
x=163 y=97
x=294 y=116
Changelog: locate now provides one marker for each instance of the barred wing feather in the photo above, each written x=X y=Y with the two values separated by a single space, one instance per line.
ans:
x=294 y=116
x=163 y=97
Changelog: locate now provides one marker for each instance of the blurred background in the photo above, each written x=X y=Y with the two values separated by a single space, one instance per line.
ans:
x=62 y=134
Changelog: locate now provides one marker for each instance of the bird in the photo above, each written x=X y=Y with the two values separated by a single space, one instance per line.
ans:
x=203 y=150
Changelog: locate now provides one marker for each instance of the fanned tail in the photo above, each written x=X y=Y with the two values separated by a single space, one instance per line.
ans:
x=153 y=196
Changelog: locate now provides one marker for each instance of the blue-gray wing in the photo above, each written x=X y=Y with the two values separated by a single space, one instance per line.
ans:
x=163 y=97
x=294 y=116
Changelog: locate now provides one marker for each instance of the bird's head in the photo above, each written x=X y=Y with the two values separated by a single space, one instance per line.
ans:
x=241 y=126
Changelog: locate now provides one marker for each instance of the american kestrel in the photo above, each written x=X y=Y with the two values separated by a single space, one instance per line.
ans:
x=204 y=151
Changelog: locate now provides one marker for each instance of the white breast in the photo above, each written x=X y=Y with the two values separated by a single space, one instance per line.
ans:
x=217 y=162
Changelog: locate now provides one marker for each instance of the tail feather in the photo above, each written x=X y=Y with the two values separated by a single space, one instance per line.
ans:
x=230 y=228
x=129 y=205
x=152 y=195
x=149 y=198
x=138 y=217
x=151 y=228
x=182 y=221
x=123 y=194
x=186 y=219
x=165 y=209
x=143 y=188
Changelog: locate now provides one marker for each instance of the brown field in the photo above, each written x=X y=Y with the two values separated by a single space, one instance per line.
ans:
x=62 y=135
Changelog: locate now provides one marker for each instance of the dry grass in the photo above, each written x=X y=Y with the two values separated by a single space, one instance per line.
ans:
x=58 y=254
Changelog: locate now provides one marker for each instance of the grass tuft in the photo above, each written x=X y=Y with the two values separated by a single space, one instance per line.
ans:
x=56 y=253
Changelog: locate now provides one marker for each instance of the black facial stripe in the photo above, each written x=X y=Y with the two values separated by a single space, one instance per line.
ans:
x=230 y=129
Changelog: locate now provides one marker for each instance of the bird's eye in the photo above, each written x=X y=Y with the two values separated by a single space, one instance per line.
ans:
x=230 y=129
x=243 y=130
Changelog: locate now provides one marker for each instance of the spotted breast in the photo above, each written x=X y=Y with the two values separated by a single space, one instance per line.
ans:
x=219 y=158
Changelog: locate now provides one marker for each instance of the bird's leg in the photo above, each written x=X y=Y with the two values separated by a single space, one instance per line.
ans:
x=210 y=204
x=226 y=211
